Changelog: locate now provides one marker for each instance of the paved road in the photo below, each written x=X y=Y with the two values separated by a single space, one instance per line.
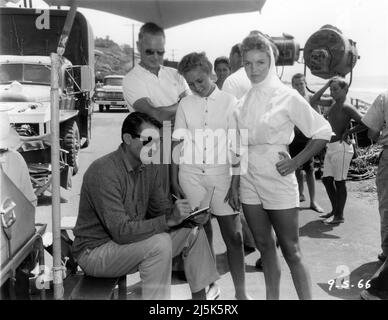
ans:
x=347 y=250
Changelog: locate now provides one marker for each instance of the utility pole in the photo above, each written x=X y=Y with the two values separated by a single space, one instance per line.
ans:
x=133 y=25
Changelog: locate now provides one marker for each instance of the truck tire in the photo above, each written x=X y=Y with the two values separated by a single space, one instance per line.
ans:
x=101 y=107
x=71 y=143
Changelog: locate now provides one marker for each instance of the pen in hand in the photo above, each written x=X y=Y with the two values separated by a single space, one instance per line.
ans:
x=175 y=197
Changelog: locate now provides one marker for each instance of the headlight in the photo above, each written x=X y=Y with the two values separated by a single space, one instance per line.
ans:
x=100 y=94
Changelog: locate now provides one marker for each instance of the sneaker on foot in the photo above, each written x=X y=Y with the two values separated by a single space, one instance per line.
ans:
x=302 y=198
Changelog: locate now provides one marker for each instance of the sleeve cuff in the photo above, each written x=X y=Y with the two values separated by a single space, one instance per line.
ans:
x=160 y=224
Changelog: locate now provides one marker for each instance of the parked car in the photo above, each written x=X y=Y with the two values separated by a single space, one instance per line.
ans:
x=111 y=93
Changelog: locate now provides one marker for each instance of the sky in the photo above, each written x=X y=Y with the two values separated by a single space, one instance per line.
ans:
x=364 y=21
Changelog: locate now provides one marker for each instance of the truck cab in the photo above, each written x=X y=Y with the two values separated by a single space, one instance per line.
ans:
x=25 y=76
x=25 y=93
x=111 y=93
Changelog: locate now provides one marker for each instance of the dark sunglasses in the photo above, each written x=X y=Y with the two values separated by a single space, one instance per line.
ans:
x=150 y=52
x=145 y=142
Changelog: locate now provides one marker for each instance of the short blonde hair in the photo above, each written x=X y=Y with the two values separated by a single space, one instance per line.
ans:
x=195 y=60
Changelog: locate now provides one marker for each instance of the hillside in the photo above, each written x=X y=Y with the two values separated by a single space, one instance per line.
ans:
x=111 y=58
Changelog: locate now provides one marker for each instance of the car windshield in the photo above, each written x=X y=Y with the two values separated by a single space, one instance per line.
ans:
x=30 y=73
x=113 y=81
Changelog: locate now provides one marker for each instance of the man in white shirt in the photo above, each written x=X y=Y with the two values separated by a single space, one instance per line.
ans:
x=154 y=89
x=237 y=83
x=151 y=87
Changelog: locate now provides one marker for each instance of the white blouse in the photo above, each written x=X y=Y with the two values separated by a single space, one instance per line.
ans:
x=206 y=125
x=271 y=114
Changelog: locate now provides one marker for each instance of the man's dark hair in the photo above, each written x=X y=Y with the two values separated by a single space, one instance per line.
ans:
x=150 y=28
x=343 y=84
x=298 y=76
x=236 y=49
x=133 y=122
x=220 y=60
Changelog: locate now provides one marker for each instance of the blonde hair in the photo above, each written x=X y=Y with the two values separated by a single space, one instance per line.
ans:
x=195 y=60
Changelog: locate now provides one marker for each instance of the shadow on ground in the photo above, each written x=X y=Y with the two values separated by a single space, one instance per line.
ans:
x=357 y=281
x=318 y=230
x=178 y=277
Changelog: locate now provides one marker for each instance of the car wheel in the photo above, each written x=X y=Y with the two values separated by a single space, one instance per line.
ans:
x=101 y=107
x=107 y=107
x=71 y=143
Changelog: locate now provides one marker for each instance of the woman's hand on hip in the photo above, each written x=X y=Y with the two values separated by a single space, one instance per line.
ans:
x=286 y=165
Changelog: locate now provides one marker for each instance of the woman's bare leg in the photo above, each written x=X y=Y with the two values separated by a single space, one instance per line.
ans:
x=231 y=231
x=286 y=225
x=261 y=228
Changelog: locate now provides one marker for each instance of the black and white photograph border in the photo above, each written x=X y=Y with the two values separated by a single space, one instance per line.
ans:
x=343 y=259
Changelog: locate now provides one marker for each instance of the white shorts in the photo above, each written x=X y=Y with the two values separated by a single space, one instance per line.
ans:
x=195 y=186
x=337 y=160
x=263 y=184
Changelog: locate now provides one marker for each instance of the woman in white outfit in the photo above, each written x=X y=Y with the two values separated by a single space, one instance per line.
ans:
x=204 y=121
x=269 y=190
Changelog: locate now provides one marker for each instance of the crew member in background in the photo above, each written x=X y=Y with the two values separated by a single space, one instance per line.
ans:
x=298 y=144
x=222 y=70
x=339 y=153
x=237 y=83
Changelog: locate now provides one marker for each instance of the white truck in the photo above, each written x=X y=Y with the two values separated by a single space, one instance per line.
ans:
x=25 y=69
x=111 y=93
